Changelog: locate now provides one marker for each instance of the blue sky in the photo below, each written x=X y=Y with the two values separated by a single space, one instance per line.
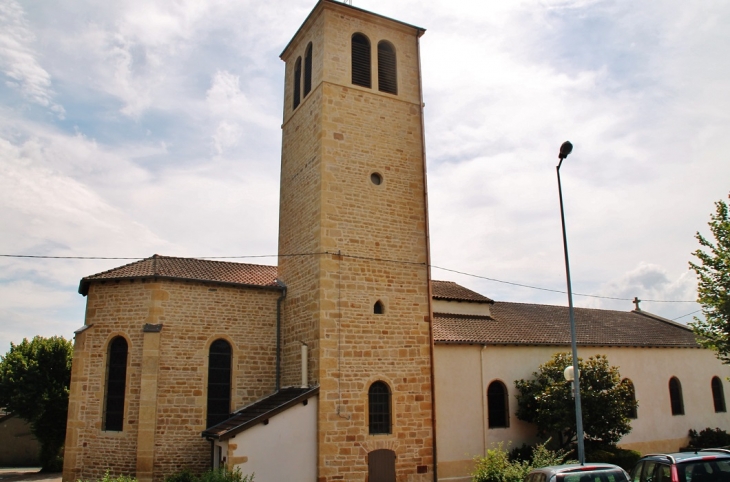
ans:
x=144 y=127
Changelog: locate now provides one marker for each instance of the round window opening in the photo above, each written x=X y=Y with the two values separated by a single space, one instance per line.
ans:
x=376 y=178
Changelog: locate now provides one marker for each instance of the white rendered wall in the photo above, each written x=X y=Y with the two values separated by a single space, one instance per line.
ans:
x=283 y=450
x=463 y=373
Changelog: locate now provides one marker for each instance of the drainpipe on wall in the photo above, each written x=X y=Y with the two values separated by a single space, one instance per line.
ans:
x=278 y=335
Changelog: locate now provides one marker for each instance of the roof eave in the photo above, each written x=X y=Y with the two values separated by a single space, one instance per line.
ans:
x=86 y=282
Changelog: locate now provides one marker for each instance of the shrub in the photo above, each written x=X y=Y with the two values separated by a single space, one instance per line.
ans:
x=214 y=475
x=114 y=478
x=610 y=454
x=708 y=438
x=496 y=465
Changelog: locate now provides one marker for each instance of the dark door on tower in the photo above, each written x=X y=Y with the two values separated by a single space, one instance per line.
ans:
x=381 y=466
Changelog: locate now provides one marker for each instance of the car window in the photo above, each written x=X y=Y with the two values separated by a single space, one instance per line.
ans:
x=647 y=475
x=636 y=472
x=705 y=471
x=597 y=476
x=662 y=473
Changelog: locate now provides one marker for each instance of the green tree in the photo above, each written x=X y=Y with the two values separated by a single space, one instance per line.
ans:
x=713 y=285
x=606 y=401
x=34 y=384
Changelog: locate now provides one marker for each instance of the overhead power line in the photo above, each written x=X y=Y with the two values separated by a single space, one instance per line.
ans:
x=511 y=283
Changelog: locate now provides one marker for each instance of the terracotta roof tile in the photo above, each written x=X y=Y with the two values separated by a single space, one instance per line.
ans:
x=530 y=324
x=448 y=290
x=189 y=269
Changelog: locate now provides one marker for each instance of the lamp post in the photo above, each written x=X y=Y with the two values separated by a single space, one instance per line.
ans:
x=565 y=149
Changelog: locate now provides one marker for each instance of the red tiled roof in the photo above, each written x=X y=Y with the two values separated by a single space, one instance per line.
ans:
x=189 y=269
x=448 y=290
x=529 y=324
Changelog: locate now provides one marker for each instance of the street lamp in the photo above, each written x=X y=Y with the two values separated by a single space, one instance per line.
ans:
x=566 y=149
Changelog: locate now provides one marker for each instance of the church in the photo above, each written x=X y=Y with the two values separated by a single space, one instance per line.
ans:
x=345 y=361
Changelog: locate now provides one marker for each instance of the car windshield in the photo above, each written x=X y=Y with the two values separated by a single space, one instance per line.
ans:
x=716 y=470
x=612 y=475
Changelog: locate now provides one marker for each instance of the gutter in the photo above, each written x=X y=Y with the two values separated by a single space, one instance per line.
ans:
x=278 y=334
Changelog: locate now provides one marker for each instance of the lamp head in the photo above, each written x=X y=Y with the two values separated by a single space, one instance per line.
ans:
x=565 y=149
x=568 y=373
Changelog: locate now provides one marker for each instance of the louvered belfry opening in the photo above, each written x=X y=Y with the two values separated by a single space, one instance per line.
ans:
x=219 y=382
x=116 y=381
x=297 y=83
x=361 y=74
x=308 y=70
x=387 y=75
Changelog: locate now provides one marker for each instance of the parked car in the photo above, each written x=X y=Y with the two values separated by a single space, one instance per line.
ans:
x=589 y=472
x=707 y=465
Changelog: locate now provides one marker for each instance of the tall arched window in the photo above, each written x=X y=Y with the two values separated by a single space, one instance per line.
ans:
x=379 y=408
x=497 y=405
x=633 y=412
x=361 y=60
x=308 y=70
x=219 y=382
x=718 y=395
x=297 y=83
x=675 y=396
x=387 y=78
x=116 y=383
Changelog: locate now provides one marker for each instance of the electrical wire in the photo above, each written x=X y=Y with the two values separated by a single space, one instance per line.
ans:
x=366 y=258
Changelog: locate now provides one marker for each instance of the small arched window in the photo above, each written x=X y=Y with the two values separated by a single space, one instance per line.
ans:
x=718 y=395
x=379 y=408
x=297 y=83
x=219 y=382
x=387 y=75
x=378 y=308
x=675 y=396
x=361 y=74
x=497 y=405
x=308 y=70
x=116 y=383
x=632 y=393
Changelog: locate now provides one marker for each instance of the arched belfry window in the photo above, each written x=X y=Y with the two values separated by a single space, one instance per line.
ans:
x=219 y=382
x=387 y=75
x=361 y=74
x=308 y=70
x=297 y=83
x=378 y=308
x=675 y=396
x=497 y=405
x=718 y=395
x=632 y=392
x=116 y=384
x=379 y=408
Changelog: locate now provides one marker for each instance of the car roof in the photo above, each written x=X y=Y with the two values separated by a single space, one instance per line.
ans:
x=681 y=457
x=566 y=468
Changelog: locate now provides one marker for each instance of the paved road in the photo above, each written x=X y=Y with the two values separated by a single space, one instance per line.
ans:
x=28 y=474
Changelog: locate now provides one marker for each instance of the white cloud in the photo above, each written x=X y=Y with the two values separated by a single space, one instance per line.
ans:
x=18 y=59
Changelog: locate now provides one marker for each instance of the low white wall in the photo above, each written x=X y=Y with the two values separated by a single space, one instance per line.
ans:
x=283 y=450
x=463 y=373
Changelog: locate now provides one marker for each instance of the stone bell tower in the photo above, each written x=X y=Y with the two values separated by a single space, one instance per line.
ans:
x=353 y=242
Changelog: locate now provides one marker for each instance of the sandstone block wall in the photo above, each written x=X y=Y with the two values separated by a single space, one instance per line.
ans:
x=192 y=315
x=375 y=242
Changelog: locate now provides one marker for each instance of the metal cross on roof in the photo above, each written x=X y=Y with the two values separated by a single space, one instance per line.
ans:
x=636 y=302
